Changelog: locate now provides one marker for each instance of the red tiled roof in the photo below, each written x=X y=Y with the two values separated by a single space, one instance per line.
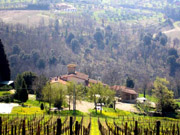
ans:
x=117 y=87
x=78 y=75
x=124 y=89
x=71 y=65
x=55 y=79
x=130 y=91
x=93 y=81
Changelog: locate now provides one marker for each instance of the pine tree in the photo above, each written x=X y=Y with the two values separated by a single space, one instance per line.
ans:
x=4 y=68
x=21 y=89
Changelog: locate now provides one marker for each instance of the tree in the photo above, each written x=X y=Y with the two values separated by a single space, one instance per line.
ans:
x=54 y=93
x=35 y=55
x=99 y=93
x=75 y=46
x=165 y=102
x=4 y=68
x=69 y=38
x=129 y=83
x=21 y=89
x=171 y=60
x=70 y=88
x=29 y=77
x=41 y=64
x=74 y=92
x=163 y=40
x=147 y=39
x=60 y=96
x=98 y=36
x=38 y=85
x=16 y=49
x=48 y=94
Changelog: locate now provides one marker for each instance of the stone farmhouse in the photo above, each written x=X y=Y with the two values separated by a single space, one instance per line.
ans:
x=123 y=93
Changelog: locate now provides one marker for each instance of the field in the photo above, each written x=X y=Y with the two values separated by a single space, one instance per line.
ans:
x=56 y=124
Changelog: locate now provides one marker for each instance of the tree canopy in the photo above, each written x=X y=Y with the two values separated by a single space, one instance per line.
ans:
x=166 y=103
x=21 y=89
x=5 y=73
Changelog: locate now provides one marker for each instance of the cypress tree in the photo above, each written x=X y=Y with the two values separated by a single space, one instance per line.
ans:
x=4 y=65
x=21 y=89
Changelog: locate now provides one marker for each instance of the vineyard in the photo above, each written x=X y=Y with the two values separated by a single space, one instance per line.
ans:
x=68 y=125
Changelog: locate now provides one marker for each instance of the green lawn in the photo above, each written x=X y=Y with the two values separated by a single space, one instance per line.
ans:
x=4 y=93
x=150 y=98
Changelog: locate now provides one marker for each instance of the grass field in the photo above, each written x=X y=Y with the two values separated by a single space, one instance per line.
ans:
x=4 y=93
x=150 y=98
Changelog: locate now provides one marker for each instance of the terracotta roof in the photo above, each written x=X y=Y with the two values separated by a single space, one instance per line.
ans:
x=82 y=75
x=55 y=79
x=130 y=91
x=76 y=75
x=124 y=89
x=93 y=81
x=71 y=65
x=117 y=87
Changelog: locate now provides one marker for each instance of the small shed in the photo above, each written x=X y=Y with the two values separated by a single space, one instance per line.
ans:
x=128 y=95
x=125 y=94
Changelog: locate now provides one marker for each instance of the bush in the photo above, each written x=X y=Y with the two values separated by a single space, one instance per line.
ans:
x=42 y=106
x=7 y=98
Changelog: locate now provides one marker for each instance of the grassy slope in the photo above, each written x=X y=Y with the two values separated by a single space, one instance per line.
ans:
x=4 y=93
x=150 y=98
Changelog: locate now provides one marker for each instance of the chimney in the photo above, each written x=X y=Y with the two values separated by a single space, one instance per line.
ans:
x=71 y=68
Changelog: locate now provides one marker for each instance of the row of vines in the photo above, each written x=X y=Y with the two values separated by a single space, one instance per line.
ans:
x=67 y=125
x=44 y=125
x=138 y=126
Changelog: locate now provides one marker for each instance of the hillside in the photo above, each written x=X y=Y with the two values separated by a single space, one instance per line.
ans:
x=107 y=39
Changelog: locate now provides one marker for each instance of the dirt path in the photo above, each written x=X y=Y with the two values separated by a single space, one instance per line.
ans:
x=6 y=108
x=173 y=33
x=126 y=107
x=84 y=106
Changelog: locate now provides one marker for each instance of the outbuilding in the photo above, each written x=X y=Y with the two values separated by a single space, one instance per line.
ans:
x=125 y=94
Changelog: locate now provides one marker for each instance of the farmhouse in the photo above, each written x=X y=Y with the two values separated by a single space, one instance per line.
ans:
x=74 y=76
x=126 y=94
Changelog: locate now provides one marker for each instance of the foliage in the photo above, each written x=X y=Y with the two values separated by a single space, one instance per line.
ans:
x=144 y=107
x=41 y=64
x=129 y=83
x=102 y=94
x=29 y=78
x=4 y=68
x=74 y=91
x=172 y=61
x=26 y=110
x=71 y=113
x=69 y=38
x=21 y=89
x=110 y=113
x=149 y=97
x=4 y=93
x=54 y=93
x=166 y=103
x=75 y=45
x=42 y=106
x=38 y=85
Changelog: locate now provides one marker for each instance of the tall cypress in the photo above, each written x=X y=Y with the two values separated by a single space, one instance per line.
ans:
x=4 y=65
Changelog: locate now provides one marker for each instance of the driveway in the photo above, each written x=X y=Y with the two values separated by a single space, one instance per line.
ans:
x=6 y=108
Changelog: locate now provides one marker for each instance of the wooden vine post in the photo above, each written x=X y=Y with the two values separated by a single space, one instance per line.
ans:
x=24 y=128
x=158 y=127
x=0 y=126
x=59 y=126
x=71 y=125
x=136 y=128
